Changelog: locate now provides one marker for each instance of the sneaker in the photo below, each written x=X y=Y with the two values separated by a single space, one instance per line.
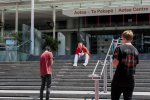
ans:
x=84 y=64
x=75 y=64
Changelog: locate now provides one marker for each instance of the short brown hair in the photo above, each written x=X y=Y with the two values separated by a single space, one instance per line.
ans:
x=48 y=48
x=128 y=35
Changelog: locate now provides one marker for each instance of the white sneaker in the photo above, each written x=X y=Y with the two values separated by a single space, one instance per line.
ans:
x=75 y=64
x=84 y=64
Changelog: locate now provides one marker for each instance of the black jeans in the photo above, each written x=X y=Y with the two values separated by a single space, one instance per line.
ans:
x=117 y=90
x=45 y=80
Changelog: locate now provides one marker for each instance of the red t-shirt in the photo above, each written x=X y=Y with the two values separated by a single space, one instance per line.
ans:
x=46 y=60
x=84 y=50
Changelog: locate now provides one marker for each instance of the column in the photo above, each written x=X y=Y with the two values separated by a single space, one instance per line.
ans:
x=85 y=22
x=98 y=21
x=149 y=18
x=123 y=20
x=110 y=20
x=136 y=19
x=54 y=21
x=70 y=23
x=32 y=28
x=16 y=19
x=3 y=23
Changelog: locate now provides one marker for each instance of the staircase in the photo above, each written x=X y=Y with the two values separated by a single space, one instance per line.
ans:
x=21 y=81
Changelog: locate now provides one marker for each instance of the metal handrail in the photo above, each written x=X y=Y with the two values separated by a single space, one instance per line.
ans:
x=99 y=61
x=105 y=61
x=96 y=77
x=28 y=41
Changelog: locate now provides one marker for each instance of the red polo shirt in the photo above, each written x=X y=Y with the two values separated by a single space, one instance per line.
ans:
x=46 y=63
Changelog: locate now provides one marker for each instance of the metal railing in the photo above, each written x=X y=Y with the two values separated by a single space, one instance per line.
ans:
x=15 y=53
x=28 y=41
x=103 y=72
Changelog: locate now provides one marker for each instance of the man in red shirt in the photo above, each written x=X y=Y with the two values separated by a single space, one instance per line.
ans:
x=46 y=62
x=81 y=51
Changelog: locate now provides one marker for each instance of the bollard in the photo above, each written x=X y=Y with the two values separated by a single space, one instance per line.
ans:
x=96 y=89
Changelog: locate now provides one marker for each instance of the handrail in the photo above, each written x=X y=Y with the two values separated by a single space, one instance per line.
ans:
x=105 y=60
x=106 y=57
x=96 y=77
x=101 y=62
x=96 y=67
x=28 y=41
x=15 y=53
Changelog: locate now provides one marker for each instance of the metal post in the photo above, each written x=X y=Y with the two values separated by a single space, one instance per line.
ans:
x=3 y=21
x=105 y=80
x=16 y=19
x=96 y=89
x=54 y=21
x=111 y=67
x=32 y=28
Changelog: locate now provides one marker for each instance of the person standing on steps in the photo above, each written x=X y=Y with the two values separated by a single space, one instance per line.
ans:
x=81 y=51
x=46 y=62
x=125 y=59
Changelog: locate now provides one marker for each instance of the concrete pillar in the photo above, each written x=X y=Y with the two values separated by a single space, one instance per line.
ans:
x=32 y=28
x=16 y=19
x=70 y=23
x=54 y=21
x=3 y=23
x=68 y=42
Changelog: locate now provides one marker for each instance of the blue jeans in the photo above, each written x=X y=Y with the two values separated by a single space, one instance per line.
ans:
x=46 y=79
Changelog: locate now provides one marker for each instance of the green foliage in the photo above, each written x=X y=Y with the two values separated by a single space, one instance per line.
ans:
x=18 y=37
x=1 y=40
x=53 y=43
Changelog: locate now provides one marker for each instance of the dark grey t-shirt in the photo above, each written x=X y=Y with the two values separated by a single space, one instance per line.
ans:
x=127 y=55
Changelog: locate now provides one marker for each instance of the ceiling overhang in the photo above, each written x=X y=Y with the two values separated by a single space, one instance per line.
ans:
x=25 y=5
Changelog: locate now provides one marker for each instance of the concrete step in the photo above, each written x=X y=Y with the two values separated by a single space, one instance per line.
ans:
x=69 y=94
x=32 y=98
x=23 y=80
x=89 y=80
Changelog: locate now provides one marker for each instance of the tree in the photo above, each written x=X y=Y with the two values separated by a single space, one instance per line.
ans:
x=53 y=43
x=18 y=37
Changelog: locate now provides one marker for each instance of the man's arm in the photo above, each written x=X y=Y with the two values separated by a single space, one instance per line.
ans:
x=86 y=51
x=115 y=63
x=116 y=56
x=51 y=58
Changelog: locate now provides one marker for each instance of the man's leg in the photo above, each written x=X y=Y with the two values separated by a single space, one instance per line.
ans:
x=115 y=92
x=48 y=79
x=86 y=59
x=128 y=92
x=43 y=79
x=75 y=60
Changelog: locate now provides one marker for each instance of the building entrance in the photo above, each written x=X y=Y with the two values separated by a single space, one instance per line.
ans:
x=100 y=43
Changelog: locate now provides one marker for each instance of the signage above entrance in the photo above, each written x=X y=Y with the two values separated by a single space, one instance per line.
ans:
x=106 y=11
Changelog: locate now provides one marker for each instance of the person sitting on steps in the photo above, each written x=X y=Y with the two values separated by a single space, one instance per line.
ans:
x=81 y=51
